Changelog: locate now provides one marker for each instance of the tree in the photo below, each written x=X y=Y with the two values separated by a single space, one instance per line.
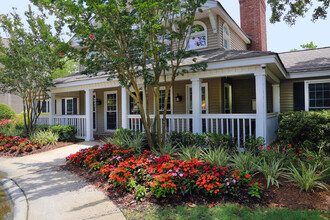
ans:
x=29 y=59
x=69 y=68
x=310 y=45
x=289 y=11
x=139 y=42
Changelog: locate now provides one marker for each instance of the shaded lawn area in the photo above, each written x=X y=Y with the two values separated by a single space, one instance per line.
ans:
x=229 y=211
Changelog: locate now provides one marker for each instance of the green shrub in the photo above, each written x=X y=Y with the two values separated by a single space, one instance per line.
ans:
x=305 y=129
x=128 y=139
x=46 y=137
x=66 y=133
x=271 y=169
x=205 y=140
x=307 y=177
x=167 y=149
x=244 y=161
x=190 y=152
x=6 y=112
x=218 y=156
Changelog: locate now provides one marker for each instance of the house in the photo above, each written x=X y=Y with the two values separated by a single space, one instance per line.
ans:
x=241 y=93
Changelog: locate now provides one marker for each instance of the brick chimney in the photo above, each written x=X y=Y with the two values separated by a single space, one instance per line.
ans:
x=253 y=22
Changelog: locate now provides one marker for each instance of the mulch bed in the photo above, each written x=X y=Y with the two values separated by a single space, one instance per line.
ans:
x=35 y=150
x=287 y=196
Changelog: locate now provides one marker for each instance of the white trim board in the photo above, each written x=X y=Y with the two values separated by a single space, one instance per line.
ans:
x=105 y=110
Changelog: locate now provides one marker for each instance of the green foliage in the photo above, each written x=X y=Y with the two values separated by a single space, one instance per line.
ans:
x=271 y=169
x=253 y=144
x=310 y=45
x=128 y=139
x=210 y=140
x=190 y=152
x=307 y=177
x=291 y=10
x=28 y=59
x=46 y=137
x=6 y=112
x=69 y=68
x=167 y=149
x=140 y=193
x=305 y=129
x=66 y=133
x=255 y=189
x=217 y=156
x=244 y=161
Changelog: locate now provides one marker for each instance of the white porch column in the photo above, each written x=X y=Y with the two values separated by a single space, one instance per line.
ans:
x=276 y=98
x=89 y=114
x=197 y=105
x=261 y=104
x=124 y=105
x=51 y=108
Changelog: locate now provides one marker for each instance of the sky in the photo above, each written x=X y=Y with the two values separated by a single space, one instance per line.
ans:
x=280 y=36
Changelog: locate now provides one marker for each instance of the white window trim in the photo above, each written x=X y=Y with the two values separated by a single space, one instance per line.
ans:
x=198 y=34
x=94 y=94
x=307 y=82
x=188 y=86
x=230 y=98
x=225 y=36
x=66 y=109
x=106 y=110
x=47 y=104
x=171 y=99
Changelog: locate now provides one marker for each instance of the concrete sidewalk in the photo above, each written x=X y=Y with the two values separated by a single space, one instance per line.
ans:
x=51 y=193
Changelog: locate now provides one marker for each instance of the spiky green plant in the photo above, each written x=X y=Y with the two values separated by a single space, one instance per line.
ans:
x=218 y=156
x=190 y=152
x=271 y=169
x=244 y=161
x=307 y=177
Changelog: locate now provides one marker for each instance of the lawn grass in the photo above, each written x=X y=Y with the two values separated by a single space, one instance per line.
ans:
x=223 y=212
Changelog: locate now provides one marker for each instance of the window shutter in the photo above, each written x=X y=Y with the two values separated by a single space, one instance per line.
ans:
x=75 y=106
x=299 y=96
x=63 y=106
x=55 y=106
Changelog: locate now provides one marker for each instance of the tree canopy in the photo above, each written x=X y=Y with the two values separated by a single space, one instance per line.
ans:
x=28 y=58
x=142 y=43
x=289 y=11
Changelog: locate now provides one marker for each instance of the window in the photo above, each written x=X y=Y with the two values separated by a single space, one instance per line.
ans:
x=43 y=106
x=318 y=95
x=205 y=98
x=226 y=37
x=133 y=107
x=162 y=101
x=110 y=110
x=94 y=112
x=69 y=106
x=198 y=38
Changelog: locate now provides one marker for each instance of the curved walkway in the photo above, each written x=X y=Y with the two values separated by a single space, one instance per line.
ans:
x=43 y=191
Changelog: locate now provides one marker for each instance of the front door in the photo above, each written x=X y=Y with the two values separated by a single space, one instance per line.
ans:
x=111 y=111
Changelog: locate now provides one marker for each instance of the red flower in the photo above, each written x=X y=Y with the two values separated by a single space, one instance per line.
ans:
x=268 y=148
x=300 y=152
x=261 y=147
x=61 y=54
x=295 y=154
x=290 y=145
x=283 y=150
x=276 y=148
x=91 y=37
x=310 y=158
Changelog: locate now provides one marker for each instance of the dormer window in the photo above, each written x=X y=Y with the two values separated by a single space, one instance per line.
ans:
x=226 y=37
x=198 y=38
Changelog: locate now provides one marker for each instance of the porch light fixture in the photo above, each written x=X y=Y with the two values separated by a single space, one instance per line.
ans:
x=98 y=102
x=178 y=98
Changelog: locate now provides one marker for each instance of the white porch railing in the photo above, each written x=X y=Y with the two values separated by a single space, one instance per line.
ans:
x=179 y=123
x=239 y=126
x=79 y=121
x=272 y=126
x=43 y=120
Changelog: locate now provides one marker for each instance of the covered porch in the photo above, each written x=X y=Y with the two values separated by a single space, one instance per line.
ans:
x=240 y=102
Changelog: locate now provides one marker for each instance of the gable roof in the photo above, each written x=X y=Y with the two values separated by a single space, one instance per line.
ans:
x=306 y=60
x=208 y=56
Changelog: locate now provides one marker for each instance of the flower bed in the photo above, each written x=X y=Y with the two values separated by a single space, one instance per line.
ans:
x=19 y=144
x=163 y=176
